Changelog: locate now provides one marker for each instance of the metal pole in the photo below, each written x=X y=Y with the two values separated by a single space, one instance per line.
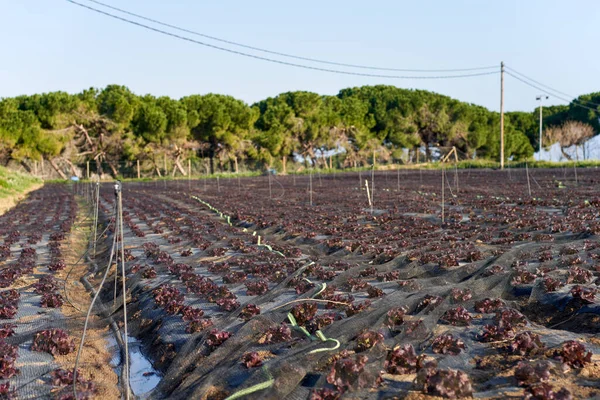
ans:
x=502 y=115
x=541 y=99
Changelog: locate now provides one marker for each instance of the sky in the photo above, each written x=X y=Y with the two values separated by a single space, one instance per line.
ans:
x=51 y=45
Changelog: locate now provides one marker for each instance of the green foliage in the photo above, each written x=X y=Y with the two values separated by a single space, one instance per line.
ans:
x=359 y=123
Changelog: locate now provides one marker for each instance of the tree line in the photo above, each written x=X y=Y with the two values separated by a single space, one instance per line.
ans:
x=358 y=125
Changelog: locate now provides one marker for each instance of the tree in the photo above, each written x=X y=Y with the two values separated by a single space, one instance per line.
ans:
x=571 y=133
x=220 y=121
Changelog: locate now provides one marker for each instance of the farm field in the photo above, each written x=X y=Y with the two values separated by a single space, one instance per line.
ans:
x=263 y=288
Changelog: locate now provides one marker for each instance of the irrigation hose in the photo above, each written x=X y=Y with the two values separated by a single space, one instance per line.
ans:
x=253 y=389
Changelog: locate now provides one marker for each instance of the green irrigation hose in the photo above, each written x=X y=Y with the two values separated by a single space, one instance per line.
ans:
x=252 y=389
x=319 y=335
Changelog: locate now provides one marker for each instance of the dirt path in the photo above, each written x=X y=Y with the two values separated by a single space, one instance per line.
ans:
x=96 y=359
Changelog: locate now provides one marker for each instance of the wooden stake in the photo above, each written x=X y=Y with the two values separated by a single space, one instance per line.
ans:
x=138 y=168
x=369 y=195
x=443 y=194
x=87 y=169
x=373 y=184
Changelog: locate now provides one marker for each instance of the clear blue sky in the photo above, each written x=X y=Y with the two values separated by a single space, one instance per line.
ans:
x=53 y=45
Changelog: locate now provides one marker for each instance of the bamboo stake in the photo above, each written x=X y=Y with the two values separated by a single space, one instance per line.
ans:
x=369 y=195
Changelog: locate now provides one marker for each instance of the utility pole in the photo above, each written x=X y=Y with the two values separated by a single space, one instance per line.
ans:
x=502 y=115
x=540 y=98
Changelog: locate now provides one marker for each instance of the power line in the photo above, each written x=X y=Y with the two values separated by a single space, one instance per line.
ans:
x=549 y=93
x=273 y=60
x=286 y=54
x=550 y=88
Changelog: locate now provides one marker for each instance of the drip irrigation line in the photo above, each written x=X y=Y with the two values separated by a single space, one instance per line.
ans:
x=315 y=300
x=253 y=389
x=124 y=289
x=73 y=265
x=89 y=312
x=271 y=60
x=113 y=251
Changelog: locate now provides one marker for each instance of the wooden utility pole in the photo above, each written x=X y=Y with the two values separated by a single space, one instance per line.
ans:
x=502 y=115
x=138 y=169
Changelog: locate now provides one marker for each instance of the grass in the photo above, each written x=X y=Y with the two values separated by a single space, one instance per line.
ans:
x=13 y=185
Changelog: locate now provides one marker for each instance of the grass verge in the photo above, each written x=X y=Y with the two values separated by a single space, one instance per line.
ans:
x=14 y=186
